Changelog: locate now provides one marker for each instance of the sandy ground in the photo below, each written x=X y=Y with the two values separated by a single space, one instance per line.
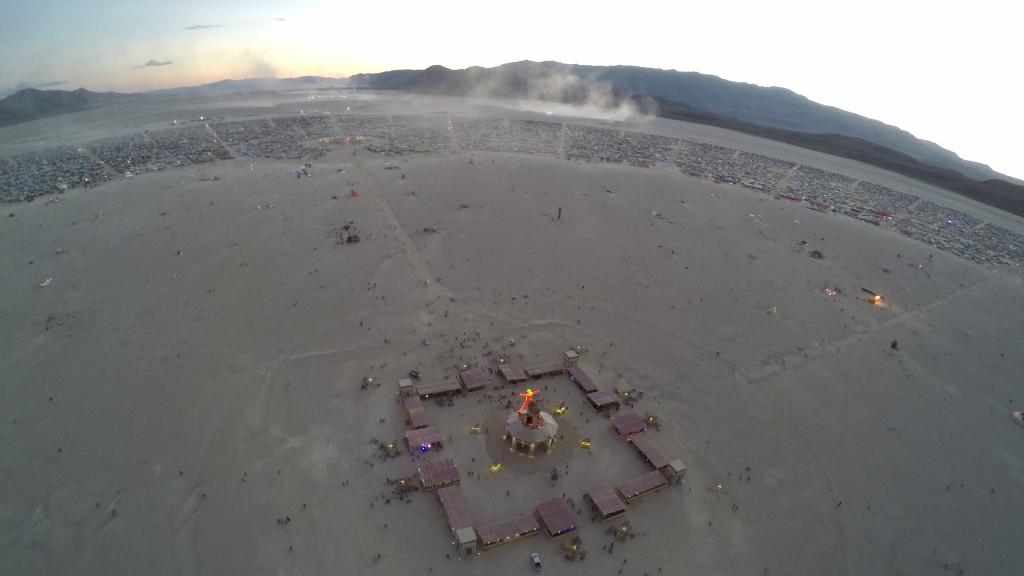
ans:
x=161 y=410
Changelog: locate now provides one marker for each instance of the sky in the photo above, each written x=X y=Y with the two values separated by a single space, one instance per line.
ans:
x=949 y=72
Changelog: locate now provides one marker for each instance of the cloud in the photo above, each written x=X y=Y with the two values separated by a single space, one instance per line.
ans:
x=151 y=63
x=203 y=26
x=280 y=19
x=24 y=85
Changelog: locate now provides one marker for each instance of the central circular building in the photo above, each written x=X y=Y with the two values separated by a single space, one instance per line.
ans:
x=530 y=428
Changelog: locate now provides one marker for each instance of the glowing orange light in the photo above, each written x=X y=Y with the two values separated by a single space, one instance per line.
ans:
x=527 y=397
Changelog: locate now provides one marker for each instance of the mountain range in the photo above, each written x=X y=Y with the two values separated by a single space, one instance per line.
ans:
x=772 y=107
x=33 y=103
x=770 y=112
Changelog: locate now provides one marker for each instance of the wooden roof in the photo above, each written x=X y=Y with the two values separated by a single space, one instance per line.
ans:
x=556 y=516
x=414 y=409
x=446 y=387
x=455 y=508
x=602 y=398
x=642 y=484
x=474 y=379
x=412 y=402
x=627 y=424
x=513 y=373
x=507 y=530
x=649 y=451
x=577 y=375
x=423 y=436
x=543 y=369
x=438 y=473
x=606 y=500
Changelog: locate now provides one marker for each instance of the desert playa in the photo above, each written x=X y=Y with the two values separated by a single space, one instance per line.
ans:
x=201 y=365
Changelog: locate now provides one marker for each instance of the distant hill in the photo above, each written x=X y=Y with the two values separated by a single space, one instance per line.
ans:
x=31 y=103
x=383 y=80
x=775 y=113
x=770 y=107
x=521 y=81
x=994 y=192
x=250 y=85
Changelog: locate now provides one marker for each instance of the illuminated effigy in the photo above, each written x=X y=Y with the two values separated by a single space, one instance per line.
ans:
x=529 y=427
x=527 y=398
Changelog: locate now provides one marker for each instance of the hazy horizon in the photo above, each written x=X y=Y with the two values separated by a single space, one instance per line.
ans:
x=889 y=63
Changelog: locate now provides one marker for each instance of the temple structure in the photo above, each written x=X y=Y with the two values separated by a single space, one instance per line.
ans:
x=530 y=428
